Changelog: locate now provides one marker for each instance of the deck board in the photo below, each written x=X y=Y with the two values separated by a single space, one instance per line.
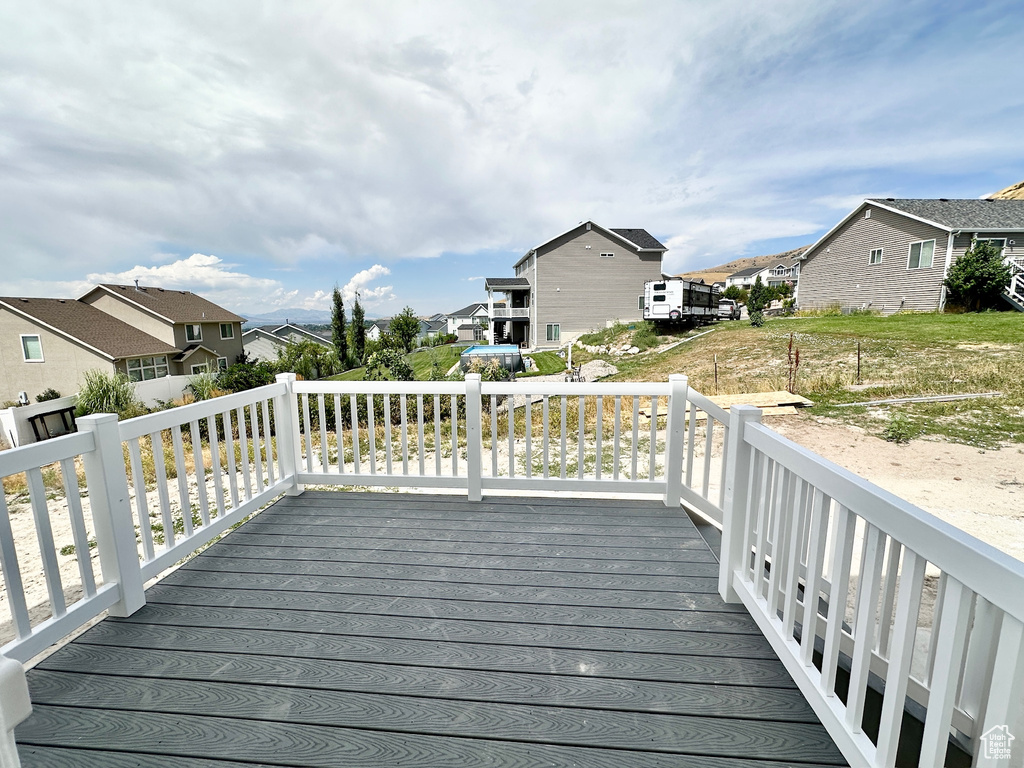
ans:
x=343 y=629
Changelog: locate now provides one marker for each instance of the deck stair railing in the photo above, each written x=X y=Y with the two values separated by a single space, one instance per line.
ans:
x=829 y=564
x=1015 y=290
x=834 y=570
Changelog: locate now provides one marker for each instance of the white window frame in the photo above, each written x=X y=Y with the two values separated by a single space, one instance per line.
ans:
x=222 y=363
x=871 y=255
x=24 y=349
x=910 y=254
x=607 y=255
x=1002 y=248
x=200 y=369
x=231 y=331
x=142 y=368
x=557 y=335
x=188 y=330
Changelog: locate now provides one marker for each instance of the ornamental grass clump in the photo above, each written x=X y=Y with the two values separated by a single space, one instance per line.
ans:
x=108 y=393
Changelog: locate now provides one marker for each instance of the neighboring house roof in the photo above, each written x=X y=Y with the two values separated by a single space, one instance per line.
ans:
x=947 y=214
x=748 y=271
x=466 y=327
x=985 y=214
x=469 y=310
x=504 y=283
x=640 y=239
x=282 y=330
x=172 y=306
x=190 y=350
x=435 y=325
x=93 y=328
x=263 y=333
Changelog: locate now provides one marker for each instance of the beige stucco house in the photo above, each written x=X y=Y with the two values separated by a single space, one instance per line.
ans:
x=144 y=332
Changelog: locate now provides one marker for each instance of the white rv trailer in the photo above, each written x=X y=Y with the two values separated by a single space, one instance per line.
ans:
x=674 y=300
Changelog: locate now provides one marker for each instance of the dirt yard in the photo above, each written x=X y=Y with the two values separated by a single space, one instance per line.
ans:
x=978 y=491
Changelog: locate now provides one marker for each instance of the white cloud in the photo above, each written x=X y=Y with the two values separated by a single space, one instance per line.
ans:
x=368 y=296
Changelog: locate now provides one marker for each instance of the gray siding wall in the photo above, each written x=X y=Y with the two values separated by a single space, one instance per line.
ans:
x=63 y=364
x=229 y=348
x=262 y=348
x=581 y=291
x=839 y=272
x=962 y=242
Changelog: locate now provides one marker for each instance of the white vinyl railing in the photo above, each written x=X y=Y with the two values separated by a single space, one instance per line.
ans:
x=843 y=578
x=834 y=567
x=499 y=312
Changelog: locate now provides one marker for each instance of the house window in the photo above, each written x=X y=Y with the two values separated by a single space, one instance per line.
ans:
x=875 y=257
x=640 y=302
x=31 y=348
x=146 y=368
x=194 y=332
x=554 y=331
x=998 y=242
x=227 y=331
x=921 y=254
x=197 y=369
x=607 y=255
x=222 y=363
x=867 y=213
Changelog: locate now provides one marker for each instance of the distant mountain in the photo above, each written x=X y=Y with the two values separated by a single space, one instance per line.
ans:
x=297 y=316
x=1012 y=192
x=719 y=273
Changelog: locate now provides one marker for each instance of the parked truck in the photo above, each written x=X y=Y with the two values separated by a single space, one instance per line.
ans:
x=675 y=300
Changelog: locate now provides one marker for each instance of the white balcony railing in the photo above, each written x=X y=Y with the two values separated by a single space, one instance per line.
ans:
x=513 y=312
x=838 y=574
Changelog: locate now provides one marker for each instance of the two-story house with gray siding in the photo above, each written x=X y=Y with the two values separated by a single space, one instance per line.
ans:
x=894 y=254
x=576 y=282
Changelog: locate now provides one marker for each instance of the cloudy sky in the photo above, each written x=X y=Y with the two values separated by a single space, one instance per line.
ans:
x=259 y=153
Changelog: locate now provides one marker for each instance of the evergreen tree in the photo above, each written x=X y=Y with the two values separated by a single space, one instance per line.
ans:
x=358 y=329
x=338 y=335
x=978 y=277
x=758 y=298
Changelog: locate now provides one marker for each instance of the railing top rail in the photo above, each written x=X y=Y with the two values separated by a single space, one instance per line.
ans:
x=37 y=455
x=381 y=387
x=705 y=404
x=528 y=387
x=153 y=422
x=989 y=572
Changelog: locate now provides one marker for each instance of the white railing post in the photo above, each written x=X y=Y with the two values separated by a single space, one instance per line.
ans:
x=15 y=707
x=675 y=437
x=736 y=503
x=107 y=482
x=474 y=436
x=288 y=443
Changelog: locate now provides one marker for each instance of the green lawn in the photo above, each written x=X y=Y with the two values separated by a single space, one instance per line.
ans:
x=908 y=355
x=422 y=363
x=547 y=364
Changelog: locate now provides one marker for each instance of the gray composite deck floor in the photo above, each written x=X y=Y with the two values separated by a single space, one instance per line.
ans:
x=358 y=629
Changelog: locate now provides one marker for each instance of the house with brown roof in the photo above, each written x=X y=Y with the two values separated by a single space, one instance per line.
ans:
x=208 y=337
x=145 y=333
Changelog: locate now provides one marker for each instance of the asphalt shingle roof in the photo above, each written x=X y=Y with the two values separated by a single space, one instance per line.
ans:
x=962 y=214
x=91 y=326
x=506 y=282
x=641 y=238
x=176 y=306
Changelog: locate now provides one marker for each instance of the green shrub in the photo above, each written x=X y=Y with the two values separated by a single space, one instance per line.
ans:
x=977 y=278
x=203 y=386
x=48 y=394
x=245 y=375
x=108 y=393
x=898 y=430
x=757 y=318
